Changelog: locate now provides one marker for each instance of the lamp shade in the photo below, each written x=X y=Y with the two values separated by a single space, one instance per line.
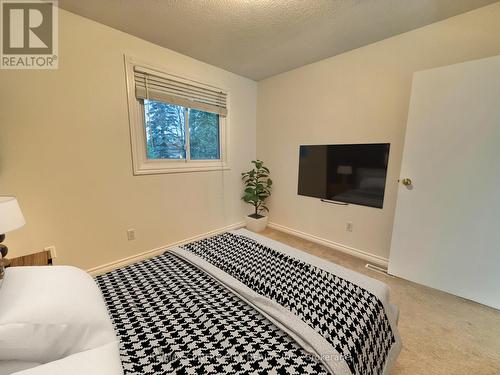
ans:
x=11 y=217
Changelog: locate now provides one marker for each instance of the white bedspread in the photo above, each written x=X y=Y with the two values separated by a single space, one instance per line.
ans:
x=99 y=361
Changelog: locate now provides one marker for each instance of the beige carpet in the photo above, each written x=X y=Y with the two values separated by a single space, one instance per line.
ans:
x=441 y=333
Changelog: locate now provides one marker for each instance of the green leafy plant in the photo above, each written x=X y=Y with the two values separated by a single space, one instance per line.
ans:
x=257 y=188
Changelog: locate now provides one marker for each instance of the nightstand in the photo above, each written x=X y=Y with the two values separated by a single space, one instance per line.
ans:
x=42 y=258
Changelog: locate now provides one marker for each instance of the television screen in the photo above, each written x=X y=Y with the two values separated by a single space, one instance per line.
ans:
x=353 y=173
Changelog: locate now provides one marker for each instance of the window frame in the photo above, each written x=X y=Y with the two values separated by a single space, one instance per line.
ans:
x=140 y=162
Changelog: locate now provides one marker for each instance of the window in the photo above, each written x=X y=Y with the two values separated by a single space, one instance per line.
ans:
x=168 y=126
x=177 y=125
x=203 y=135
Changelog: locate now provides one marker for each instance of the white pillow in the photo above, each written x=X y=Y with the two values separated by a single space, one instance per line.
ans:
x=47 y=313
x=11 y=367
x=104 y=360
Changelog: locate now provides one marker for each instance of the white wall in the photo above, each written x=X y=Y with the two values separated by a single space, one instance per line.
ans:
x=65 y=153
x=446 y=229
x=360 y=96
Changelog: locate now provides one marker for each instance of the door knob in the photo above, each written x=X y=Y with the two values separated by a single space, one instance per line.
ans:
x=406 y=181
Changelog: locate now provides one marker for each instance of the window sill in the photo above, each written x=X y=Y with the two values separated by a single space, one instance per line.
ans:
x=161 y=167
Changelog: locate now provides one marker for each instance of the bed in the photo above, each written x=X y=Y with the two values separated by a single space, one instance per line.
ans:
x=240 y=303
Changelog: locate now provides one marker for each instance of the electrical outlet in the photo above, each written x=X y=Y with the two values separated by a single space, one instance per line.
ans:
x=348 y=226
x=52 y=250
x=131 y=234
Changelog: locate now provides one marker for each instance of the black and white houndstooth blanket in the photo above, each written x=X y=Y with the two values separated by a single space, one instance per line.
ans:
x=173 y=318
x=347 y=316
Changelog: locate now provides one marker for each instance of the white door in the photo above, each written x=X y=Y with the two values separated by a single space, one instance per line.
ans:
x=447 y=227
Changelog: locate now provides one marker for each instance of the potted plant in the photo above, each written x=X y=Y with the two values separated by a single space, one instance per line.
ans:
x=257 y=190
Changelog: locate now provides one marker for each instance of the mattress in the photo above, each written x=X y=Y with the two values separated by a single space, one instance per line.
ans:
x=240 y=303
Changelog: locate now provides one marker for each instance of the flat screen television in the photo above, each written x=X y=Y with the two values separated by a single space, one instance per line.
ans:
x=350 y=173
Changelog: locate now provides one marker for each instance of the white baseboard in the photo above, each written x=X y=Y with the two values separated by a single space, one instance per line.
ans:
x=375 y=259
x=378 y=260
x=151 y=253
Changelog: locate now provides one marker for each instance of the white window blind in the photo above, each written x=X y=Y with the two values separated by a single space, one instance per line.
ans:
x=153 y=85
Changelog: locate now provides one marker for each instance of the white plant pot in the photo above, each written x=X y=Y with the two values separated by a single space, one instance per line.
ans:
x=256 y=225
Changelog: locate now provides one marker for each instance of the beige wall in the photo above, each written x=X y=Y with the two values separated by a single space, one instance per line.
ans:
x=359 y=96
x=65 y=153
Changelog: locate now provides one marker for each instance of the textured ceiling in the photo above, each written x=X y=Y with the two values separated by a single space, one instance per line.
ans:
x=261 y=38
